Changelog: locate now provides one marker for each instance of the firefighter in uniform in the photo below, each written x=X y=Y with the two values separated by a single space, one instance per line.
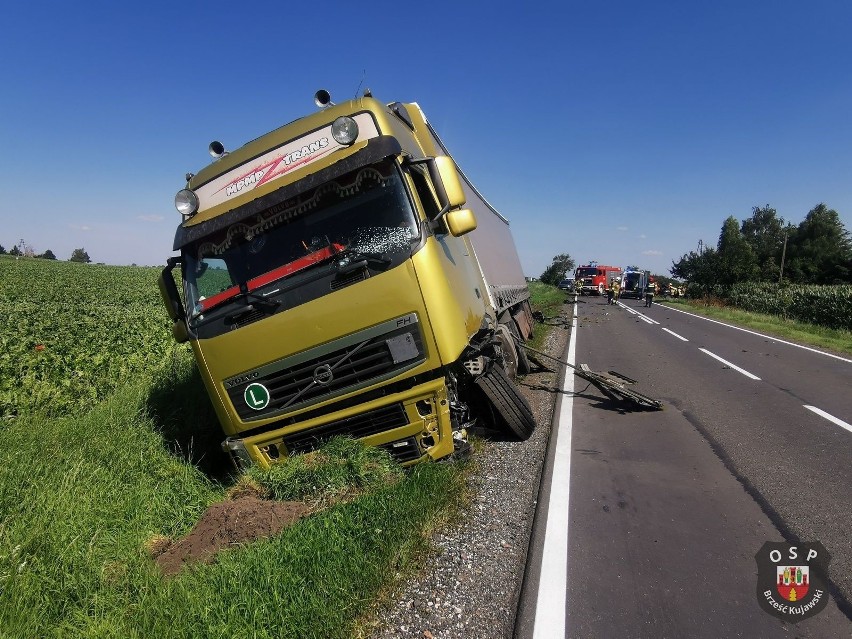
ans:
x=649 y=293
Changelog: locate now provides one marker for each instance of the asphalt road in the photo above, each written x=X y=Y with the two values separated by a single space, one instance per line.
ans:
x=665 y=510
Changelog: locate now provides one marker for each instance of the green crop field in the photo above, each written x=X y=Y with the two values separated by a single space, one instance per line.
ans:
x=73 y=333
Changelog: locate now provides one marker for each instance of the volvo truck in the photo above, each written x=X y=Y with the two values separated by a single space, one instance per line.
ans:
x=341 y=276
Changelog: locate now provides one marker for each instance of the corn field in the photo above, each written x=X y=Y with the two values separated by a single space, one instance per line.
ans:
x=829 y=306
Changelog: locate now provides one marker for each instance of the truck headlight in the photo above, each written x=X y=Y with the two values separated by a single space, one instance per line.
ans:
x=344 y=130
x=186 y=202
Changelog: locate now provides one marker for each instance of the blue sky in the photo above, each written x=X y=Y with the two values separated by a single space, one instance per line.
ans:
x=622 y=132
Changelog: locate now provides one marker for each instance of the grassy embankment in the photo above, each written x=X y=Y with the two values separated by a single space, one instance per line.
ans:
x=104 y=434
x=550 y=302
x=837 y=341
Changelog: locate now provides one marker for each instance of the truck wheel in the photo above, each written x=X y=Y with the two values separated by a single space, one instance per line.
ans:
x=507 y=346
x=510 y=409
x=523 y=361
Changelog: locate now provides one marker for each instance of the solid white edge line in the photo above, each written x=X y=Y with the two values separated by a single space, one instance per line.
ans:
x=774 y=339
x=675 y=334
x=734 y=366
x=553 y=581
x=829 y=417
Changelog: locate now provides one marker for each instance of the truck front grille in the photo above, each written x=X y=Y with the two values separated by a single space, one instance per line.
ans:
x=366 y=357
x=363 y=425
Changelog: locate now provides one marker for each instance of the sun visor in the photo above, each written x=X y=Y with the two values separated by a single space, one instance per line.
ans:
x=377 y=149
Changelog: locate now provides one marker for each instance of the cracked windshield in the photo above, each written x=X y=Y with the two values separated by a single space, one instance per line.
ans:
x=364 y=216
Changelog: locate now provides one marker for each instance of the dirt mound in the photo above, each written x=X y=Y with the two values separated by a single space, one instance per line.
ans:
x=225 y=525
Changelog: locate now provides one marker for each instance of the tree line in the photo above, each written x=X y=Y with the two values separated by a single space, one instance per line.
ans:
x=22 y=249
x=766 y=248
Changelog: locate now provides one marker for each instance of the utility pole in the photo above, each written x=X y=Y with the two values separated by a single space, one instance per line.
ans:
x=700 y=247
x=783 y=255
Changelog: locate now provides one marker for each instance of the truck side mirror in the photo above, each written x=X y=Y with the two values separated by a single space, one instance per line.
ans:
x=179 y=332
x=460 y=222
x=172 y=301
x=169 y=292
x=447 y=182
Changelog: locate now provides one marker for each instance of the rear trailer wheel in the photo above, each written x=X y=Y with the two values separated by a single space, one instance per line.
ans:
x=523 y=361
x=508 y=349
x=510 y=409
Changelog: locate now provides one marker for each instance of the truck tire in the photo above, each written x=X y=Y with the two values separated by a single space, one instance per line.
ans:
x=523 y=361
x=509 y=408
x=509 y=350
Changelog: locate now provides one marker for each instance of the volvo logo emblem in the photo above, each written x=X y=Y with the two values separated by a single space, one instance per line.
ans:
x=323 y=374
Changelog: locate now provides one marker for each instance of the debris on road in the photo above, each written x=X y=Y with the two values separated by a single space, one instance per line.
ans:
x=612 y=384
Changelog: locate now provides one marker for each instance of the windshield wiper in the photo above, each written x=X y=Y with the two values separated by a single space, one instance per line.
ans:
x=264 y=303
x=258 y=303
x=246 y=311
x=350 y=260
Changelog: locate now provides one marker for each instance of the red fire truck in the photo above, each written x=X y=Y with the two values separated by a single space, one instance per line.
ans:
x=594 y=278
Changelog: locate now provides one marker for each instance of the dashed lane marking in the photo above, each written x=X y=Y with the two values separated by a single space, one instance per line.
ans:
x=683 y=339
x=774 y=339
x=730 y=365
x=642 y=316
x=830 y=417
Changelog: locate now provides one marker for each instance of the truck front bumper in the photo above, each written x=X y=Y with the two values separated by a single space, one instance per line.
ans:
x=412 y=425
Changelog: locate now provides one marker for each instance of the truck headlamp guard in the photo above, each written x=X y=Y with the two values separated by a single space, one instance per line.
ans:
x=344 y=130
x=186 y=202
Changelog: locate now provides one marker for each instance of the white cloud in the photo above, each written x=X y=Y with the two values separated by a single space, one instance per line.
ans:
x=642 y=236
x=652 y=252
x=80 y=227
x=150 y=218
x=620 y=228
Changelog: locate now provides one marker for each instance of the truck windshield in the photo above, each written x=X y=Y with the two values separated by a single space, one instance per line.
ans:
x=586 y=272
x=364 y=217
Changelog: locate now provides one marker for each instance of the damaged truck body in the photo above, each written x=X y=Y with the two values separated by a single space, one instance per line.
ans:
x=340 y=276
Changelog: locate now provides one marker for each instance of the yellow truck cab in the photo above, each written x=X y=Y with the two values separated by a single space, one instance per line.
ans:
x=340 y=276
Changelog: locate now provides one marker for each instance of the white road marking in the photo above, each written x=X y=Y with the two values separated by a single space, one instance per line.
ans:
x=774 y=339
x=683 y=339
x=729 y=365
x=642 y=316
x=830 y=417
x=553 y=581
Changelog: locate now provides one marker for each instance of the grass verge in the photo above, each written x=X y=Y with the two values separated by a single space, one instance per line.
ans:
x=81 y=497
x=833 y=340
x=549 y=301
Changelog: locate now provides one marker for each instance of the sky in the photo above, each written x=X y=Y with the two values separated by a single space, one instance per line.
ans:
x=621 y=132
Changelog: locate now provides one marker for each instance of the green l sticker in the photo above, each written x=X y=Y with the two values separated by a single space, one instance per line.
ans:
x=256 y=396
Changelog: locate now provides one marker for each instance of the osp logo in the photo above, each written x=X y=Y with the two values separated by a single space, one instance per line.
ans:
x=792 y=579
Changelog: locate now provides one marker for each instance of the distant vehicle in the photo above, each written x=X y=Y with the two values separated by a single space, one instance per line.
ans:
x=567 y=284
x=633 y=282
x=596 y=278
